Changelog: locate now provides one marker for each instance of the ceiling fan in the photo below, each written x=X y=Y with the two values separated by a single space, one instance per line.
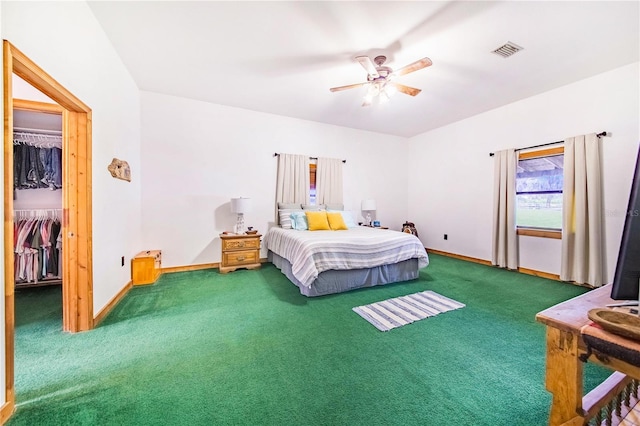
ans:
x=380 y=78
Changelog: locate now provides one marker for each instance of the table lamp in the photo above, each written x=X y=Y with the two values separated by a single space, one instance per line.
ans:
x=240 y=206
x=368 y=206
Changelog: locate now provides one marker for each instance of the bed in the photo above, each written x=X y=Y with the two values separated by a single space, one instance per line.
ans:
x=327 y=261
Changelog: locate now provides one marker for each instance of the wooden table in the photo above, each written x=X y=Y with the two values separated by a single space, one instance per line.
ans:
x=239 y=251
x=564 y=371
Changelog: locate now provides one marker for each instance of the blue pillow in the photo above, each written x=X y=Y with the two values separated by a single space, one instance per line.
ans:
x=299 y=221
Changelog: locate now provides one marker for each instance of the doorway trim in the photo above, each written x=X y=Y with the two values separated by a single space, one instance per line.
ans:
x=77 y=260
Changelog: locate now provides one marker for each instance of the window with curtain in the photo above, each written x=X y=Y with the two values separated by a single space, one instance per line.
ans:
x=539 y=197
x=539 y=181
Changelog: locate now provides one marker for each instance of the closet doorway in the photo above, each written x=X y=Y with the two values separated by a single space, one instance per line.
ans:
x=77 y=261
x=37 y=194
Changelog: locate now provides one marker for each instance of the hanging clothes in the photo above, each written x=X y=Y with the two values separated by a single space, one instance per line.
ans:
x=37 y=247
x=36 y=167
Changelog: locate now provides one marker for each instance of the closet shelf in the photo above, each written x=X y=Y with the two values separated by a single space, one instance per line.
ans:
x=41 y=283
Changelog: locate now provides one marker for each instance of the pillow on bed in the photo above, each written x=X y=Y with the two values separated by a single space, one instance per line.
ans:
x=317 y=221
x=299 y=221
x=335 y=207
x=284 y=217
x=313 y=208
x=296 y=206
x=349 y=220
x=336 y=222
x=347 y=217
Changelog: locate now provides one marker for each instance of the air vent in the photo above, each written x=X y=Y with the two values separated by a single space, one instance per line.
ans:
x=507 y=50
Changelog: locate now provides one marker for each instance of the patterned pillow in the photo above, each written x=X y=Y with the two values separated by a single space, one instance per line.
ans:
x=284 y=217
x=299 y=221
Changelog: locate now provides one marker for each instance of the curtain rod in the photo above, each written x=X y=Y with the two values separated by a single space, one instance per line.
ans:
x=550 y=143
x=310 y=158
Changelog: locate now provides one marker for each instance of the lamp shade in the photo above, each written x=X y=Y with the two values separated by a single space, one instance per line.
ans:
x=368 y=205
x=240 y=205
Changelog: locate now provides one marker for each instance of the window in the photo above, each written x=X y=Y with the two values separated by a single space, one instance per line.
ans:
x=312 y=187
x=539 y=181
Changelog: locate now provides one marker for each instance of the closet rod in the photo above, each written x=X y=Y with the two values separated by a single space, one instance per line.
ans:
x=310 y=158
x=36 y=210
x=37 y=131
x=34 y=213
x=549 y=143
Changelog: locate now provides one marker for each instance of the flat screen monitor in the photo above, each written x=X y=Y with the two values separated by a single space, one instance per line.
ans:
x=627 y=277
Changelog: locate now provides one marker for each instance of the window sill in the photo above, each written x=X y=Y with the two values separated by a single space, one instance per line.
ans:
x=542 y=233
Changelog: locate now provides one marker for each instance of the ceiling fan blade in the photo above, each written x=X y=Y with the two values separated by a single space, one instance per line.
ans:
x=350 y=86
x=405 y=89
x=415 y=66
x=368 y=65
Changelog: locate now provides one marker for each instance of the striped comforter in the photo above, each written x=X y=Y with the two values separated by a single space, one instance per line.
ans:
x=313 y=252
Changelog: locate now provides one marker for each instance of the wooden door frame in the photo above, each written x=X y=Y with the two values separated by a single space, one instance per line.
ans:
x=77 y=260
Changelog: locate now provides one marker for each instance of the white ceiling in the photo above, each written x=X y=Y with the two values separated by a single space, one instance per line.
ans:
x=282 y=57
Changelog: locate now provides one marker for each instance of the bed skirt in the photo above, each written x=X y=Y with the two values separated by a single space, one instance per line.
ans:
x=338 y=281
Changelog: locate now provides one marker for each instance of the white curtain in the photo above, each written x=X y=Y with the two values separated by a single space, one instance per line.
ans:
x=505 y=240
x=582 y=252
x=293 y=181
x=329 y=181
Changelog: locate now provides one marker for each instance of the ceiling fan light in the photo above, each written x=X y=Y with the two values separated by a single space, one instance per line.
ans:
x=390 y=90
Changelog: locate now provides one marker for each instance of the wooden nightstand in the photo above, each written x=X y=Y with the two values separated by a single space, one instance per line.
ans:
x=240 y=251
x=146 y=267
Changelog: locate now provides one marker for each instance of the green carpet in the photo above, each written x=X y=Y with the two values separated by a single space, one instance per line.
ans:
x=200 y=348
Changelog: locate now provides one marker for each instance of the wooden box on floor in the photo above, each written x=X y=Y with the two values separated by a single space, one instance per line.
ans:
x=146 y=267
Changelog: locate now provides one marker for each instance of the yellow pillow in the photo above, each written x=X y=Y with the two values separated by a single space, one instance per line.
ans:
x=336 y=222
x=317 y=221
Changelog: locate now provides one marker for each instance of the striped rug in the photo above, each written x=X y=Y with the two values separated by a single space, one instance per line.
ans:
x=393 y=313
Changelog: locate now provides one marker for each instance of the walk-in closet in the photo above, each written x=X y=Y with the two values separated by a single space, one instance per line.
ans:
x=37 y=195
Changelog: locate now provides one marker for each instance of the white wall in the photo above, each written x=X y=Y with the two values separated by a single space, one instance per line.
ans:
x=197 y=155
x=451 y=173
x=37 y=198
x=66 y=41
x=23 y=90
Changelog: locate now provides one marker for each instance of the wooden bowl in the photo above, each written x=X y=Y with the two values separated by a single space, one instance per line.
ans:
x=252 y=232
x=616 y=322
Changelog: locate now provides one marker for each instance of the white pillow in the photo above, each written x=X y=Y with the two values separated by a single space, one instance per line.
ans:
x=348 y=219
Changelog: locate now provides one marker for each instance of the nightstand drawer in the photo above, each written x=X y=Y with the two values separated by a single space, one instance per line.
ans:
x=240 y=257
x=241 y=244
